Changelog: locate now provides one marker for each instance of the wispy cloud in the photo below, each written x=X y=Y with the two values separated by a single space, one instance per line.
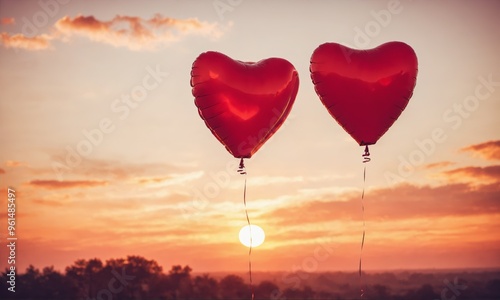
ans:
x=15 y=164
x=488 y=150
x=54 y=200
x=55 y=184
x=481 y=175
x=171 y=179
x=153 y=180
x=50 y=203
x=113 y=169
x=395 y=203
x=40 y=42
x=7 y=21
x=132 y=32
x=268 y=180
x=439 y=165
x=136 y=33
x=283 y=180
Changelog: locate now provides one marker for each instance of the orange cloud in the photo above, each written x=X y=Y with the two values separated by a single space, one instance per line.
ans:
x=489 y=174
x=400 y=202
x=2 y=171
x=488 y=150
x=110 y=169
x=40 y=42
x=153 y=180
x=51 y=203
x=15 y=163
x=136 y=33
x=7 y=21
x=55 y=184
x=438 y=165
x=54 y=199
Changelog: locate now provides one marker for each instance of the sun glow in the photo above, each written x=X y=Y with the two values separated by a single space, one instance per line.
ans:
x=255 y=232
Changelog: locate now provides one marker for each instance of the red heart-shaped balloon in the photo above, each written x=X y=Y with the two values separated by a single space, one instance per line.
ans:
x=243 y=103
x=364 y=90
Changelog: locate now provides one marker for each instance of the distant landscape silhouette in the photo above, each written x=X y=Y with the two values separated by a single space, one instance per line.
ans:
x=136 y=277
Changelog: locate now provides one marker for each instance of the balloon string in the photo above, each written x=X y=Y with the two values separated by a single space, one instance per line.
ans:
x=366 y=155
x=242 y=171
x=366 y=158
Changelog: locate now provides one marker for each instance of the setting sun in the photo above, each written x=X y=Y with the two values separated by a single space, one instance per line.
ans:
x=252 y=235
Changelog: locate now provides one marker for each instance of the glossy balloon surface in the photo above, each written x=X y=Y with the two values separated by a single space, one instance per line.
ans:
x=364 y=90
x=243 y=103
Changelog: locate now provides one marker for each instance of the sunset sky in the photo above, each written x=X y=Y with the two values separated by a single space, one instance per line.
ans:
x=101 y=170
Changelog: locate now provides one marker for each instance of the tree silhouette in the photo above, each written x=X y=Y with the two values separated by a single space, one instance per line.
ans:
x=55 y=285
x=180 y=282
x=31 y=279
x=87 y=276
x=233 y=287
x=304 y=293
x=205 y=287
x=267 y=290
x=426 y=291
x=380 y=292
x=136 y=277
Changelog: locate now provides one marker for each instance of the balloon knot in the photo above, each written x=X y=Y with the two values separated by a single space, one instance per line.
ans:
x=366 y=155
x=241 y=168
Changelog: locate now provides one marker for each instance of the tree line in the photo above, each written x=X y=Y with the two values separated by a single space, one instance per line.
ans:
x=136 y=277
